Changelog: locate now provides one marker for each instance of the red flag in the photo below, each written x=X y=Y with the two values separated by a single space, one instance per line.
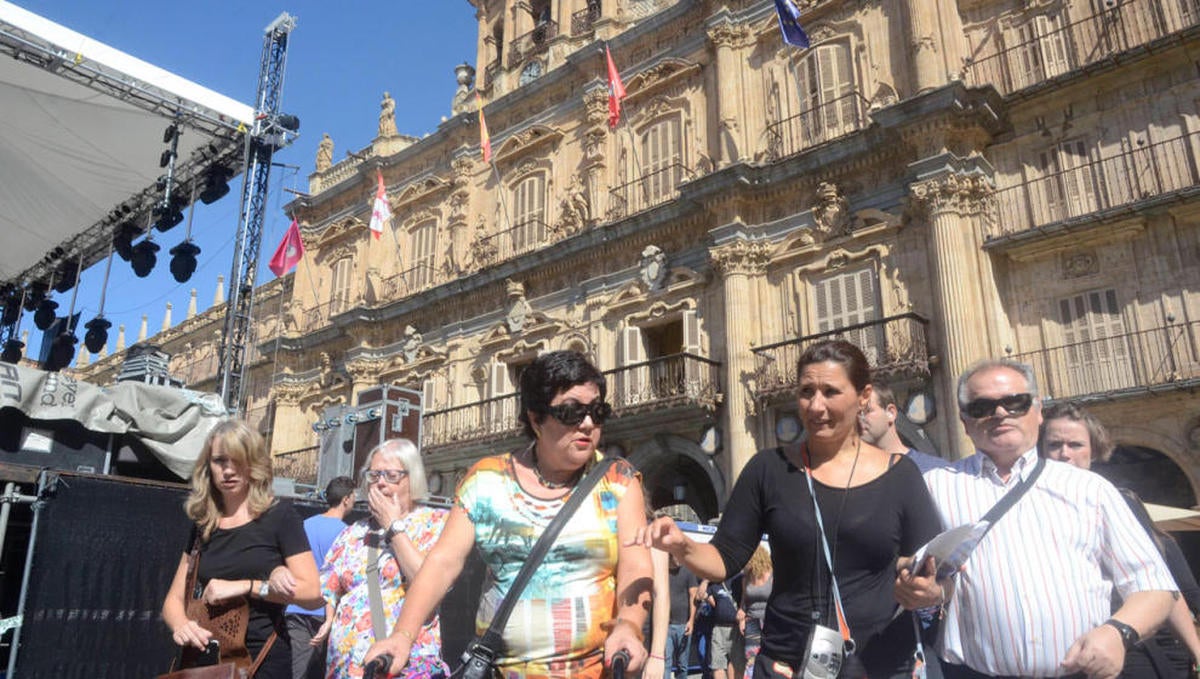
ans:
x=289 y=252
x=616 y=91
x=381 y=212
x=485 y=140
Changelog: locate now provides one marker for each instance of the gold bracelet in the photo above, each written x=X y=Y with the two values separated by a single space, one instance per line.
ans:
x=405 y=633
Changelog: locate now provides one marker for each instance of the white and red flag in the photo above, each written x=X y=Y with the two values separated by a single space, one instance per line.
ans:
x=381 y=213
x=290 y=251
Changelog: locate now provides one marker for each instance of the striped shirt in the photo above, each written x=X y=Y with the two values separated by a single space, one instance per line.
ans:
x=1044 y=575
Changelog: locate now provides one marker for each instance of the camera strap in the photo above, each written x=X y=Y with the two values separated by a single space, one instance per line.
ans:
x=843 y=626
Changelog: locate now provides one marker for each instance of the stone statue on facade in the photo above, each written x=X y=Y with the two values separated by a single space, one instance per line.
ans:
x=653 y=267
x=576 y=210
x=387 y=116
x=412 y=343
x=831 y=211
x=325 y=153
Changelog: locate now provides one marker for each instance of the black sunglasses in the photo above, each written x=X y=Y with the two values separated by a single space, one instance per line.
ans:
x=572 y=413
x=1014 y=404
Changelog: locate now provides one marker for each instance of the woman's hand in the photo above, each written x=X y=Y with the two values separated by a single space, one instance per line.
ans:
x=282 y=582
x=914 y=591
x=384 y=508
x=191 y=633
x=624 y=637
x=397 y=645
x=219 y=591
x=655 y=667
x=662 y=533
x=322 y=632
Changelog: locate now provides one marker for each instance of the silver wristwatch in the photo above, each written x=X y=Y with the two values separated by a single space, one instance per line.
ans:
x=395 y=529
x=264 y=589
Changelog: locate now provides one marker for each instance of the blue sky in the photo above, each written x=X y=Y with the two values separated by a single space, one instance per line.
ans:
x=342 y=57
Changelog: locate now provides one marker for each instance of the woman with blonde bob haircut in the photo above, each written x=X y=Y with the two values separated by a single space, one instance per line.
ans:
x=252 y=548
x=403 y=532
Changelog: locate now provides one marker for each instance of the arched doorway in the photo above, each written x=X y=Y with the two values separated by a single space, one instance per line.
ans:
x=676 y=472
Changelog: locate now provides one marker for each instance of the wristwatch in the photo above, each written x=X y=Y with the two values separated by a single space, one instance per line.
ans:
x=264 y=589
x=394 y=529
x=1128 y=634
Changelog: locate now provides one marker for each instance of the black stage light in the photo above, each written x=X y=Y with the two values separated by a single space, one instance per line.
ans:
x=288 y=122
x=183 y=260
x=123 y=240
x=165 y=159
x=62 y=350
x=68 y=271
x=216 y=185
x=13 y=350
x=169 y=220
x=12 y=306
x=46 y=312
x=97 y=334
x=170 y=133
x=144 y=258
x=34 y=294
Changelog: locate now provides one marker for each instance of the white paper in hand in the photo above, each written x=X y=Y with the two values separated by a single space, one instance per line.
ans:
x=951 y=549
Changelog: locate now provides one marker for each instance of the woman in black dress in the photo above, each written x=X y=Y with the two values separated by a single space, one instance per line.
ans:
x=874 y=507
x=251 y=547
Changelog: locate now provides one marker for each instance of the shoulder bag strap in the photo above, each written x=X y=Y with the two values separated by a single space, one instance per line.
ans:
x=542 y=547
x=1010 y=498
x=262 y=655
x=378 y=621
x=843 y=626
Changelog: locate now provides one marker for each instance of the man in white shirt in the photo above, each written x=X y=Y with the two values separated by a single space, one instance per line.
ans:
x=1033 y=599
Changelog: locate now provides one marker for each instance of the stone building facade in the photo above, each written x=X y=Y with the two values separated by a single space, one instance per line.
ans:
x=939 y=182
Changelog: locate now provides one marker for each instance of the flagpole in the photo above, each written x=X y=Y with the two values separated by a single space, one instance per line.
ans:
x=503 y=202
x=610 y=69
x=399 y=257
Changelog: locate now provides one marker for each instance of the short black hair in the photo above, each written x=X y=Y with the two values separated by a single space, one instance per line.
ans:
x=549 y=375
x=338 y=489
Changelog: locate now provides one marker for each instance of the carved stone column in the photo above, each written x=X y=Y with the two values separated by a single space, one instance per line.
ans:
x=952 y=205
x=595 y=136
x=738 y=263
x=925 y=43
x=291 y=430
x=729 y=39
x=364 y=374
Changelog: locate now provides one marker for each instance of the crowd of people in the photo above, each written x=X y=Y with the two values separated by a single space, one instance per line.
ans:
x=812 y=570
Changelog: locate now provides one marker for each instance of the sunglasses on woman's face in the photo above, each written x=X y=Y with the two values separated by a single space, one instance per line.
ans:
x=1013 y=404
x=392 y=475
x=572 y=413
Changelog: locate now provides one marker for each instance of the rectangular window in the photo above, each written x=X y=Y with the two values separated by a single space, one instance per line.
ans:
x=340 y=298
x=828 y=106
x=850 y=298
x=1040 y=50
x=1095 y=351
x=661 y=160
x=424 y=249
x=1064 y=184
x=529 y=213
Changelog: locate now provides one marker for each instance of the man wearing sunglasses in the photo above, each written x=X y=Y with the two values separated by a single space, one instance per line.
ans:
x=1033 y=600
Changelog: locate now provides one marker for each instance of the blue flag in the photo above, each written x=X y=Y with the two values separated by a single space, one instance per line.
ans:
x=789 y=23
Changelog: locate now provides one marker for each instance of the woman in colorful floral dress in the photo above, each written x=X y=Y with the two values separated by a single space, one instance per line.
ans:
x=403 y=532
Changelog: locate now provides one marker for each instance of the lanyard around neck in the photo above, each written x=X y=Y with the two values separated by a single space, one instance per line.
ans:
x=843 y=626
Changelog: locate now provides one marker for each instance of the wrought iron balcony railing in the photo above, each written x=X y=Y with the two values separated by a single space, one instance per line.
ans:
x=1075 y=183
x=1076 y=35
x=814 y=126
x=299 y=465
x=410 y=281
x=493 y=418
x=533 y=42
x=666 y=381
x=652 y=188
x=528 y=235
x=1136 y=361
x=895 y=345
x=491 y=71
x=582 y=21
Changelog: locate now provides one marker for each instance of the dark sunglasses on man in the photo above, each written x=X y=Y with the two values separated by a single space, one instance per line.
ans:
x=1013 y=404
x=572 y=413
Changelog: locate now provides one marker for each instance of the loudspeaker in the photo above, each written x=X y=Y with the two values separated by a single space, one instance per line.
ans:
x=53 y=444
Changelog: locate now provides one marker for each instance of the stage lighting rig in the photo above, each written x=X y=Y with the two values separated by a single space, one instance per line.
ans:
x=62 y=350
x=46 y=312
x=12 y=306
x=97 y=334
x=68 y=272
x=216 y=184
x=123 y=240
x=13 y=350
x=183 y=260
x=34 y=294
x=145 y=256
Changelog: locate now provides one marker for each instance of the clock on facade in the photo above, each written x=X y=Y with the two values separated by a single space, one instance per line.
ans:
x=531 y=72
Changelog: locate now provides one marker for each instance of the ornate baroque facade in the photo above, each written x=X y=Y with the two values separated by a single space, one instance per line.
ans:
x=940 y=182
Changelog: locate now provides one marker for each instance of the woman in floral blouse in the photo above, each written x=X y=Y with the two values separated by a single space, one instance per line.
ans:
x=403 y=532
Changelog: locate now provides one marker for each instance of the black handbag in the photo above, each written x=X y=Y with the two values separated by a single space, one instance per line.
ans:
x=479 y=660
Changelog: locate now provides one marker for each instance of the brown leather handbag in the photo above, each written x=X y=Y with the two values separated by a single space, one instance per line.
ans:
x=228 y=622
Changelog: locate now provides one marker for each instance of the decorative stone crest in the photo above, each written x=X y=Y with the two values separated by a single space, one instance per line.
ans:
x=653 y=269
x=831 y=212
x=518 y=309
x=412 y=344
x=1080 y=263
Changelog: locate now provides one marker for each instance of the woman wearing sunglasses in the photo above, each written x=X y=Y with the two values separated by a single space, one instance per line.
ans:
x=397 y=536
x=588 y=599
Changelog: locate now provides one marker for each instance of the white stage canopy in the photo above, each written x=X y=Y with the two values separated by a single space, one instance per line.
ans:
x=81 y=132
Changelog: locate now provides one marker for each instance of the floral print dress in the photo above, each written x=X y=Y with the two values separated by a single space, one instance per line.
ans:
x=344 y=585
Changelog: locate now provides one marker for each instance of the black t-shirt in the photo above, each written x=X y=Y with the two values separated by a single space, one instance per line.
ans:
x=254 y=550
x=887 y=517
x=724 y=609
x=680 y=582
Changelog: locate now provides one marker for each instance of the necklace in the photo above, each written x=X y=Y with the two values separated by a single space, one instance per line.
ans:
x=552 y=485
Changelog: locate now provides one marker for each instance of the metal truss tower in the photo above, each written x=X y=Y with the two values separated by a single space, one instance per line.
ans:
x=271 y=131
